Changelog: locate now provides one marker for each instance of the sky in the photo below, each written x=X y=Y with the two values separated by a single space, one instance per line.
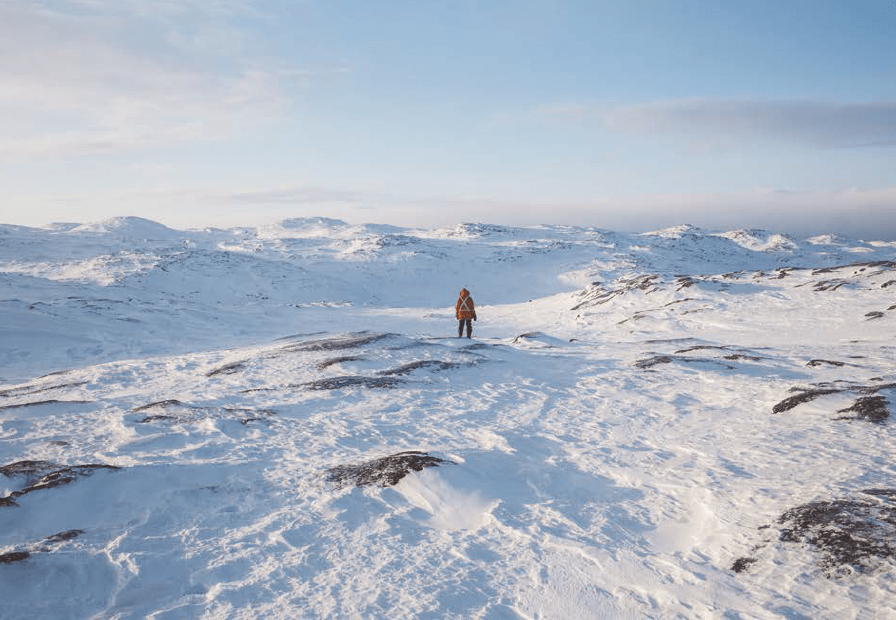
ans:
x=630 y=115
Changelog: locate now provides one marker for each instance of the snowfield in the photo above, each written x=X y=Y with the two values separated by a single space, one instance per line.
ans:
x=278 y=422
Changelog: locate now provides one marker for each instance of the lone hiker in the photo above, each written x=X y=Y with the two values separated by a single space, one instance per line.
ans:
x=465 y=310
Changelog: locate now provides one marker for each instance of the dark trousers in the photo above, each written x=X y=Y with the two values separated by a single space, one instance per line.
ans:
x=460 y=327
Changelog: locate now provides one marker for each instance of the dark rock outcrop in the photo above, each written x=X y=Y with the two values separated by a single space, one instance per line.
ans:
x=349 y=381
x=868 y=408
x=45 y=475
x=850 y=535
x=386 y=471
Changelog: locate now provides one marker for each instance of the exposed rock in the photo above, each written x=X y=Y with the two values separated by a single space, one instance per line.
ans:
x=159 y=403
x=15 y=556
x=339 y=383
x=806 y=395
x=45 y=402
x=848 y=533
x=63 y=536
x=338 y=360
x=433 y=365
x=34 y=389
x=829 y=285
x=45 y=475
x=885 y=264
x=814 y=363
x=678 y=301
x=742 y=564
x=350 y=341
x=702 y=347
x=596 y=294
x=740 y=356
x=385 y=471
x=525 y=336
x=175 y=410
x=869 y=408
x=27 y=468
x=227 y=369
x=803 y=397
x=783 y=272
x=684 y=282
x=874 y=315
x=666 y=359
x=654 y=361
x=477 y=346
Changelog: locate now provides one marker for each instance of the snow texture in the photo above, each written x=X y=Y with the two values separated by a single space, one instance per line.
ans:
x=278 y=423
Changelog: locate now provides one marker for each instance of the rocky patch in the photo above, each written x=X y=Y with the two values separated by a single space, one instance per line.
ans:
x=849 y=535
x=814 y=363
x=868 y=408
x=874 y=315
x=386 y=471
x=596 y=294
x=34 y=389
x=828 y=285
x=684 y=282
x=656 y=360
x=227 y=369
x=858 y=268
x=349 y=381
x=432 y=365
x=667 y=359
x=61 y=537
x=783 y=272
x=52 y=401
x=338 y=360
x=742 y=564
x=806 y=395
x=176 y=411
x=39 y=475
x=703 y=347
x=477 y=346
x=742 y=356
x=47 y=545
x=350 y=341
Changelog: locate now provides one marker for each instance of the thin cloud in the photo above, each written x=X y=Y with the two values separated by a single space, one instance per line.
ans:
x=70 y=84
x=815 y=124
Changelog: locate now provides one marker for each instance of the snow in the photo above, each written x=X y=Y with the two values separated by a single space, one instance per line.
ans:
x=608 y=436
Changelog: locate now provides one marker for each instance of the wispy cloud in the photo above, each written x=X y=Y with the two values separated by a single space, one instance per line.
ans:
x=815 y=124
x=73 y=83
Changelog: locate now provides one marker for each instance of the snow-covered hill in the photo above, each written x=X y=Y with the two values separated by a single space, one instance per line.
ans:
x=278 y=422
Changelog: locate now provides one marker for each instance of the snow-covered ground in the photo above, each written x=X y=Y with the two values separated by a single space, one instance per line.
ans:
x=220 y=423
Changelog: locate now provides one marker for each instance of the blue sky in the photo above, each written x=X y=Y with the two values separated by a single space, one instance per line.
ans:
x=628 y=115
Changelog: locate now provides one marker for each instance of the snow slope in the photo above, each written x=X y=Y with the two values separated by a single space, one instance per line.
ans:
x=278 y=423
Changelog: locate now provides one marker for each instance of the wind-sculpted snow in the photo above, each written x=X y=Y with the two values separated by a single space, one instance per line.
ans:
x=279 y=422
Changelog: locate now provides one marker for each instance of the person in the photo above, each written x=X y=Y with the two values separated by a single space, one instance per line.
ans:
x=465 y=311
